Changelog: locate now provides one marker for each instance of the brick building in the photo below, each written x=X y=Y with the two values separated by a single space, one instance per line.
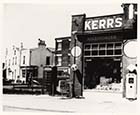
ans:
x=62 y=59
x=101 y=47
x=62 y=51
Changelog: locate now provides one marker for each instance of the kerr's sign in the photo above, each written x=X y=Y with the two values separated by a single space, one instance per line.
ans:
x=103 y=23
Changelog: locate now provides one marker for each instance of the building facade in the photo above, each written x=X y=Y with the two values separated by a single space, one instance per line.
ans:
x=62 y=51
x=102 y=48
x=22 y=64
x=34 y=60
x=106 y=44
x=62 y=59
x=12 y=63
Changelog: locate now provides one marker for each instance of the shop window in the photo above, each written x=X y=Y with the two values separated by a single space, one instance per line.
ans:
x=47 y=60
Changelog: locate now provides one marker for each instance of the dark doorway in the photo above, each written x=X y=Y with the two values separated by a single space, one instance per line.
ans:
x=99 y=70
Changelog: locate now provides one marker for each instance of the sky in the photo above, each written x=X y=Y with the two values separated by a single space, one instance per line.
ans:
x=26 y=22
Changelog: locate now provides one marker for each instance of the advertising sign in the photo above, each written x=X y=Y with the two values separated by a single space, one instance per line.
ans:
x=104 y=22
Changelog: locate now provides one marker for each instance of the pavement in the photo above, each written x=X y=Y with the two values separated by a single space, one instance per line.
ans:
x=93 y=102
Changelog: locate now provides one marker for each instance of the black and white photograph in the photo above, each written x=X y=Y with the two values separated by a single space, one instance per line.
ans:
x=70 y=57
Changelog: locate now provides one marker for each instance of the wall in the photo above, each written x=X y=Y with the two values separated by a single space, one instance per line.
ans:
x=38 y=58
x=64 y=52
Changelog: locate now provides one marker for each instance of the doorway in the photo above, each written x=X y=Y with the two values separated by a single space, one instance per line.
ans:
x=102 y=71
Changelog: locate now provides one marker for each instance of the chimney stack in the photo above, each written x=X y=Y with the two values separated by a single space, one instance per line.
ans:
x=41 y=43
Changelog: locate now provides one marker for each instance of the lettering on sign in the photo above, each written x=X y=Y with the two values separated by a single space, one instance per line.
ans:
x=102 y=23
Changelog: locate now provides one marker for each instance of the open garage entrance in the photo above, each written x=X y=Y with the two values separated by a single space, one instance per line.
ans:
x=102 y=71
x=102 y=66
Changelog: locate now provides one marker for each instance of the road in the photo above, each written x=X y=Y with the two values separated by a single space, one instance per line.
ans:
x=94 y=102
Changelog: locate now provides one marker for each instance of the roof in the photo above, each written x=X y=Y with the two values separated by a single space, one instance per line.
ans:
x=51 y=49
x=48 y=48
x=61 y=38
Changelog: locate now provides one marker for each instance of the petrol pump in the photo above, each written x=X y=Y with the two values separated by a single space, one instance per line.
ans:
x=131 y=82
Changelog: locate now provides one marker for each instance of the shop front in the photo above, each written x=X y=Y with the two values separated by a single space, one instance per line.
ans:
x=28 y=73
x=102 y=39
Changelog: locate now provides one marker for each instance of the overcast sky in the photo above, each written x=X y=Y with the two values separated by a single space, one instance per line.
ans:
x=27 y=22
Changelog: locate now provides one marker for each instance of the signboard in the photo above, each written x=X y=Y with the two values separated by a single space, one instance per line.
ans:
x=76 y=51
x=130 y=49
x=104 y=22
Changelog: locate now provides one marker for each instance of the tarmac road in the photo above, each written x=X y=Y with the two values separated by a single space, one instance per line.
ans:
x=94 y=102
x=22 y=109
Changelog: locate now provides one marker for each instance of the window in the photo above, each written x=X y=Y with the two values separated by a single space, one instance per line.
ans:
x=95 y=46
x=15 y=60
x=87 y=46
x=23 y=59
x=47 y=60
x=118 y=46
x=103 y=49
x=94 y=53
x=101 y=46
x=69 y=60
x=59 y=45
x=9 y=62
x=15 y=73
x=14 y=52
x=87 y=53
x=109 y=52
x=23 y=73
x=118 y=52
x=101 y=52
x=59 y=61
x=109 y=46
